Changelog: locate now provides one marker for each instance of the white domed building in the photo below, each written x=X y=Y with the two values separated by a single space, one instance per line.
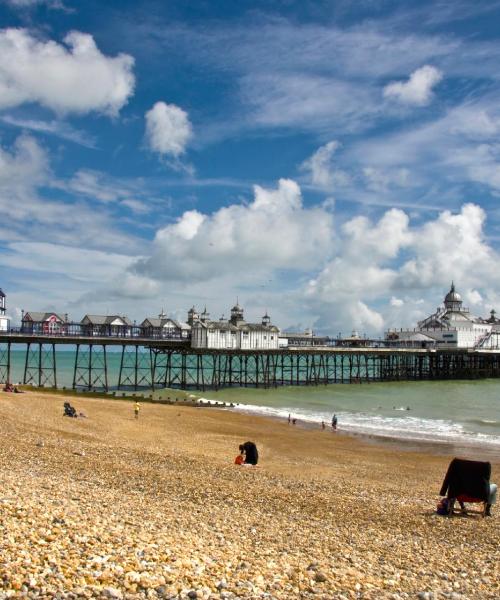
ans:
x=452 y=326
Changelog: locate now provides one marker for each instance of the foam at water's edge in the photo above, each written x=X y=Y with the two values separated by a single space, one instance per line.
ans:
x=408 y=428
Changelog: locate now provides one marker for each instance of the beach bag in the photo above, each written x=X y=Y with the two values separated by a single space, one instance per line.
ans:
x=443 y=507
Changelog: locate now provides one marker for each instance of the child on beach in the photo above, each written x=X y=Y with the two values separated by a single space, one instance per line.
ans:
x=137 y=406
x=240 y=459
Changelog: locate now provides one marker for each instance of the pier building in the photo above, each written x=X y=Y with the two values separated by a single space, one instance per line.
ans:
x=452 y=326
x=43 y=322
x=163 y=327
x=234 y=333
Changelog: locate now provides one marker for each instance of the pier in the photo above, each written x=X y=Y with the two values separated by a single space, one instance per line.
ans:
x=150 y=363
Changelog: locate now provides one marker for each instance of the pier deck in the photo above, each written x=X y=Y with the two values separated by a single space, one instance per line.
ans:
x=157 y=363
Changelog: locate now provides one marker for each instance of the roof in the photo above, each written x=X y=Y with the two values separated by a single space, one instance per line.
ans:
x=452 y=295
x=420 y=337
x=258 y=327
x=38 y=317
x=105 y=319
x=220 y=325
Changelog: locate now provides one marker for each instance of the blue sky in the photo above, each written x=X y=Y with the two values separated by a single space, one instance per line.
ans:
x=334 y=163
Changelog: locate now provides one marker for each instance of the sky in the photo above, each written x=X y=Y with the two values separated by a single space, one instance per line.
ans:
x=336 y=164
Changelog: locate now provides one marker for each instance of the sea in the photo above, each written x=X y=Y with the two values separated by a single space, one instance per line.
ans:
x=462 y=412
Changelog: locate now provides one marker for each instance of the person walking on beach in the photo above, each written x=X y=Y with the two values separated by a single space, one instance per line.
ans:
x=334 y=422
x=137 y=406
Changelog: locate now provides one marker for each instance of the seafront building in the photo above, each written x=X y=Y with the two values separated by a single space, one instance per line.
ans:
x=452 y=326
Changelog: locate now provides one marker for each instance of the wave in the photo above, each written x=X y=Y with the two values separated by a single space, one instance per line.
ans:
x=407 y=428
x=485 y=422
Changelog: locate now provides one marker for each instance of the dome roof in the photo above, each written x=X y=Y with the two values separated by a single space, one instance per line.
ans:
x=452 y=295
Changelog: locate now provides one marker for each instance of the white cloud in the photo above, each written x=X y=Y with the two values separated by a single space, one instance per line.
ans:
x=380 y=180
x=320 y=166
x=77 y=263
x=418 y=89
x=54 y=4
x=95 y=185
x=24 y=169
x=57 y=128
x=168 y=129
x=243 y=241
x=397 y=302
x=377 y=262
x=71 y=78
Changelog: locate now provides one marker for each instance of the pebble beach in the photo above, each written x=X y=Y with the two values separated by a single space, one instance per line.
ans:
x=110 y=506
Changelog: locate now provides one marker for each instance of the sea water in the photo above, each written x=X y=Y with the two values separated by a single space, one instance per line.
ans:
x=453 y=411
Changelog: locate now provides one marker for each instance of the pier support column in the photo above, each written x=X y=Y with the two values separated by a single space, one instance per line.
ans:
x=91 y=367
x=5 y=363
x=136 y=368
x=40 y=365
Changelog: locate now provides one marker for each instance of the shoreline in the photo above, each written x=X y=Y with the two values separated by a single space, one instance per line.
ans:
x=408 y=444
x=444 y=447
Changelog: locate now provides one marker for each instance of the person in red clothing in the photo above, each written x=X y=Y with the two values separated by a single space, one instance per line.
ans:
x=240 y=459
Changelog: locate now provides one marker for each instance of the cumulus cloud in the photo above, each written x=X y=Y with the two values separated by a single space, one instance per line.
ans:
x=168 y=129
x=418 y=89
x=378 y=261
x=321 y=168
x=71 y=78
x=274 y=231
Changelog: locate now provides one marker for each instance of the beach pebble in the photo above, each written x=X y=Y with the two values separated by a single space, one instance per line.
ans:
x=111 y=592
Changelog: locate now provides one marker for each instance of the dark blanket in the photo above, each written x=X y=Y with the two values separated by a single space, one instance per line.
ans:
x=468 y=477
x=251 y=454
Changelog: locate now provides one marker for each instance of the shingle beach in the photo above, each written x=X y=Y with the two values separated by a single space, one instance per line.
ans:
x=113 y=507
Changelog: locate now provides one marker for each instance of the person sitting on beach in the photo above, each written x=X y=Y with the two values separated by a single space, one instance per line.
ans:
x=251 y=453
x=240 y=459
x=8 y=387
x=69 y=411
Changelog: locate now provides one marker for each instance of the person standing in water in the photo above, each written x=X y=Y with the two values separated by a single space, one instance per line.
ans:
x=137 y=406
x=334 y=422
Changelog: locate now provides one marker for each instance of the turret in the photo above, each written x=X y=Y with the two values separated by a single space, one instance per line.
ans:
x=205 y=315
x=2 y=303
x=266 y=320
x=237 y=314
x=192 y=316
